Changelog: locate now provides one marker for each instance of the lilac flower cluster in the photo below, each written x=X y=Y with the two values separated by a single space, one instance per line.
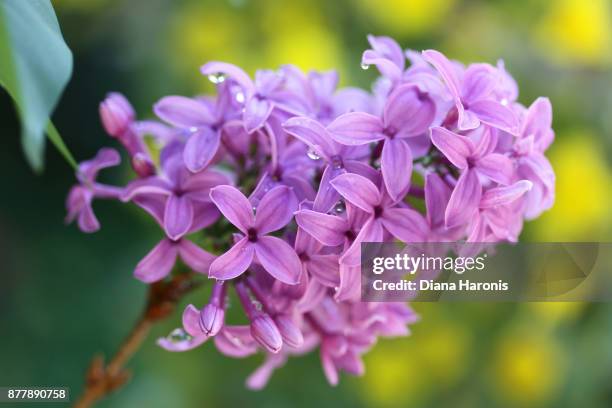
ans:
x=284 y=176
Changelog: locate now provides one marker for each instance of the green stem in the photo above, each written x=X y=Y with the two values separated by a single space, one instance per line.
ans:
x=59 y=144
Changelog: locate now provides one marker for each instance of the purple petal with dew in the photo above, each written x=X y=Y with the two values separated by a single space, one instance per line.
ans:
x=234 y=262
x=358 y=190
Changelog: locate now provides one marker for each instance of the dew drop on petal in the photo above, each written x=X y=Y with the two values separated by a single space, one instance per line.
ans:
x=216 y=78
x=365 y=66
x=312 y=154
x=193 y=129
x=240 y=97
x=339 y=207
x=178 y=335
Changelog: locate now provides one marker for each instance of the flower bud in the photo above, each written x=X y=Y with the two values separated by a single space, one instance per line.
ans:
x=116 y=114
x=290 y=332
x=142 y=165
x=211 y=319
x=265 y=332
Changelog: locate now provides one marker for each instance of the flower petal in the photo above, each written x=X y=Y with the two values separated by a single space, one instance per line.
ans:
x=437 y=194
x=200 y=149
x=234 y=206
x=372 y=231
x=538 y=123
x=504 y=195
x=396 y=167
x=327 y=229
x=497 y=167
x=278 y=259
x=312 y=133
x=327 y=196
x=197 y=186
x=446 y=70
x=358 y=190
x=195 y=257
x=256 y=112
x=464 y=200
x=191 y=321
x=408 y=111
x=325 y=269
x=236 y=341
x=478 y=82
x=388 y=48
x=234 y=262
x=178 y=216
x=386 y=67
x=356 y=128
x=183 y=112
x=87 y=220
x=182 y=345
x=405 y=224
x=106 y=157
x=496 y=115
x=455 y=147
x=275 y=209
x=147 y=186
x=230 y=71
x=158 y=263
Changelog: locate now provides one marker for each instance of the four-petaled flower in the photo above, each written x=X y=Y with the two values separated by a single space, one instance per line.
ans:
x=274 y=211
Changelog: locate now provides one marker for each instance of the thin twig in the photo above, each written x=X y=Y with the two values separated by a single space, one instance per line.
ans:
x=102 y=379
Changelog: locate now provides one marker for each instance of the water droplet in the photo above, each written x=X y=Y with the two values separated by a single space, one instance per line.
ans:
x=216 y=78
x=339 y=207
x=365 y=66
x=240 y=97
x=312 y=154
x=504 y=102
x=178 y=335
x=193 y=129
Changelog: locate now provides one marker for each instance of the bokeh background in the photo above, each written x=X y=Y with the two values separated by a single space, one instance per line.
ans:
x=65 y=295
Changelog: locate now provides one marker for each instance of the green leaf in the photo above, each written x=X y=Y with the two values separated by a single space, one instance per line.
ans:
x=35 y=66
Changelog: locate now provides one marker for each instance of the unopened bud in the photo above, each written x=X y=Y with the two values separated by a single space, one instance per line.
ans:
x=290 y=332
x=266 y=333
x=116 y=114
x=211 y=319
x=142 y=165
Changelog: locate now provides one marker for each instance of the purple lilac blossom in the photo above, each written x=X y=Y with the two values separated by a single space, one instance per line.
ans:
x=269 y=188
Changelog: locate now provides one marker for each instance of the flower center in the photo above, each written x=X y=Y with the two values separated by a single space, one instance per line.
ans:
x=390 y=132
x=350 y=235
x=252 y=234
x=378 y=211
x=336 y=162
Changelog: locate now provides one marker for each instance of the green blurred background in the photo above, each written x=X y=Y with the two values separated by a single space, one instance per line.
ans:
x=65 y=295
